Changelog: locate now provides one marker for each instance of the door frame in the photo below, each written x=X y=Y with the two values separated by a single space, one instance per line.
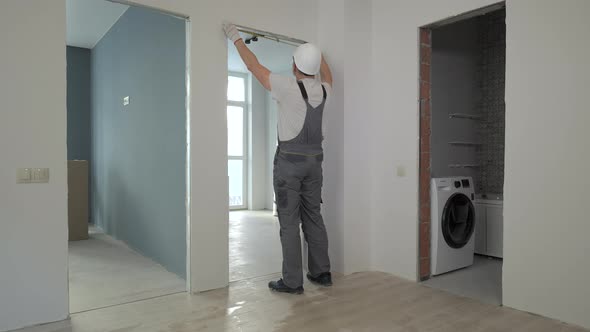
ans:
x=424 y=148
x=187 y=75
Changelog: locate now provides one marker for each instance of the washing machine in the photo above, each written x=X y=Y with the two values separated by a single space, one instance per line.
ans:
x=453 y=224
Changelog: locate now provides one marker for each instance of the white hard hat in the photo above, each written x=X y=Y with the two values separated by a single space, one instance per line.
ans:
x=308 y=58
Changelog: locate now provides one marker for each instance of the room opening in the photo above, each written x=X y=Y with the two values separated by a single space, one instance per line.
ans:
x=127 y=144
x=462 y=71
x=254 y=245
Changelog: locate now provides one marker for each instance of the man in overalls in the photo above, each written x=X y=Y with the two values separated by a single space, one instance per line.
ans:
x=298 y=160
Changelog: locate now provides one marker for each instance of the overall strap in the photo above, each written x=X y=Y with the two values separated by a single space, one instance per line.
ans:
x=303 y=91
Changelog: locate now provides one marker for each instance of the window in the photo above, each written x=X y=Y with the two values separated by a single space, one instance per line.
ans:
x=237 y=140
x=236 y=88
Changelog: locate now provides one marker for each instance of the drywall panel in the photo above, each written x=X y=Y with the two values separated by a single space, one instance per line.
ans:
x=33 y=218
x=78 y=80
x=271 y=148
x=545 y=232
x=41 y=25
x=209 y=184
x=394 y=127
x=139 y=150
x=543 y=277
x=546 y=222
x=331 y=41
x=258 y=147
x=357 y=147
x=346 y=191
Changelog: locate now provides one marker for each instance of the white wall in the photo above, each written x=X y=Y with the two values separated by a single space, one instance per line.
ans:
x=541 y=274
x=546 y=223
x=395 y=124
x=209 y=239
x=271 y=147
x=257 y=153
x=331 y=41
x=33 y=218
x=358 y=101
x=545 y=195
x=345 y=38
x=35 y=89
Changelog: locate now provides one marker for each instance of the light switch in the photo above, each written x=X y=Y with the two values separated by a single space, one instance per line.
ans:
x=40 y=175
x=401 y=171
x=23 y=175
x=126 y=101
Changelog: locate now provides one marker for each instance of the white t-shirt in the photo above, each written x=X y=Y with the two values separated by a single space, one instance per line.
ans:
x=291 y=106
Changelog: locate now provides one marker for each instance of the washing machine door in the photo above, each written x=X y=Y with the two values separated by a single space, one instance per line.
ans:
x=458 y=220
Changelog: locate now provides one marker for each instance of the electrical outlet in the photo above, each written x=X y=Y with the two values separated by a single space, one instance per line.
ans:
x=32 y=175
x=23 y=175
x=126 y=101
x=39 y=175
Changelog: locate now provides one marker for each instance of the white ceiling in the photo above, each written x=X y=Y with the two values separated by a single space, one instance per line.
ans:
x=277 y=57
x=89 y=20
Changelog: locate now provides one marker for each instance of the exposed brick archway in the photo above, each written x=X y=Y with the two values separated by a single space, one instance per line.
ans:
x=424 y=159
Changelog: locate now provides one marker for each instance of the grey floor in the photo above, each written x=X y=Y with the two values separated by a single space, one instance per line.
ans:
x=482 y=281
x=104 y=272
x=364 y=301
x=254 y=244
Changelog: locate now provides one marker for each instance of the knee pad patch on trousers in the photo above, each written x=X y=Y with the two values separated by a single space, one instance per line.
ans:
x=282 y=193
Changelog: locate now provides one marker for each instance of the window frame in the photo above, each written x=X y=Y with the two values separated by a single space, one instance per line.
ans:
x=244 y=158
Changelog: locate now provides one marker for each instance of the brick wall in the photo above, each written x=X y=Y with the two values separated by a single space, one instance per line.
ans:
x=424 y=213
x=492 y=69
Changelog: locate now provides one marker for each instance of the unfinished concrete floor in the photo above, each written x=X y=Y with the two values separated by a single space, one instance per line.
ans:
x=368 y=301
x=105 y=272
x=254 y=244
x=482 y=281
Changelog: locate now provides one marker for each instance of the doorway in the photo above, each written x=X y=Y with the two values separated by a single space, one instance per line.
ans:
x=254 y=244
x=462 y=120
x=128 y=153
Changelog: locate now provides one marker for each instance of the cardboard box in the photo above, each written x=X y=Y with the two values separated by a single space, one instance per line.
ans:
x=78 y=200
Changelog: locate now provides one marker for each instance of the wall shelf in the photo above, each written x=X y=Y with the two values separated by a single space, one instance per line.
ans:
x=465 y=116
x=465 y=143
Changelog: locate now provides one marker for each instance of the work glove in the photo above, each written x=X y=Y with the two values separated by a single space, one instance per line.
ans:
x=231 y=32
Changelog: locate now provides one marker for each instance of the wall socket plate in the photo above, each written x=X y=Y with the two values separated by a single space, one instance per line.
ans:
x=23 y=175
x=126 y=101
x=32 y=175
x=401 y=171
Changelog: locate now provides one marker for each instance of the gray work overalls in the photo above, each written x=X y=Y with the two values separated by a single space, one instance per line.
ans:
x=298 y=189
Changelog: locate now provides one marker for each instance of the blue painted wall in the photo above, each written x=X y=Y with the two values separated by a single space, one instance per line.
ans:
x=139 y=150
x=78 y=103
